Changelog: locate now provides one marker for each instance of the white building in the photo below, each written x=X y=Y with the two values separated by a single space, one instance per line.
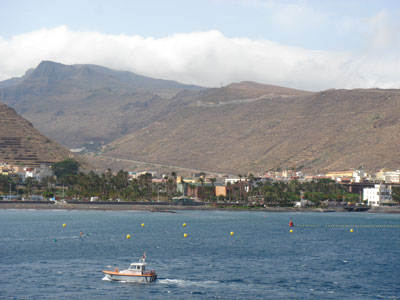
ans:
x=234 y=180
x=359 y=175
x=137 y=174
x=378 y=195
x=388 y=176
x=37 y=173
x=392 y=176
x=303 y=203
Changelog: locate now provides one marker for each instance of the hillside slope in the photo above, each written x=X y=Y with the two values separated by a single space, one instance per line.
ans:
x=21 y=143
x=330 y=130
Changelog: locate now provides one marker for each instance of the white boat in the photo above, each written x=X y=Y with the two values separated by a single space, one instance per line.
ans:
x=135 y=273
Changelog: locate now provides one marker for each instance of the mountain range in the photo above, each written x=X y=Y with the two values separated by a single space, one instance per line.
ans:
x=81 y=103
x=243 y=127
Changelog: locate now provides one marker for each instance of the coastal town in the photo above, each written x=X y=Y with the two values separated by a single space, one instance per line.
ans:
x=356 y=188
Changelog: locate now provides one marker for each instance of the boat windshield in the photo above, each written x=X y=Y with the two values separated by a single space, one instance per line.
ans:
x=136 y=267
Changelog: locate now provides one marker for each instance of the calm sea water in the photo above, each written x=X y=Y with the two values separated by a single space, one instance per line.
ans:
x=39 y=259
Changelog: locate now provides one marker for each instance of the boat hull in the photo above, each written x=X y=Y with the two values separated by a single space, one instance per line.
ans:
x=130 y=278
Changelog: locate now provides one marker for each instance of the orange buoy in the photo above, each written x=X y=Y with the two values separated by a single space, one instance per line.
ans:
x=291 y=223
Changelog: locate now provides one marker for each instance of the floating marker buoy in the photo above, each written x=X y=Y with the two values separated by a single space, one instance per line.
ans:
x=351 y=230
x=64 y=225
x=291 y=223
x=128 y=236
x=291 y=230
x=142 y=224
x=184 y=224
x=185 y=235
x=232 y=233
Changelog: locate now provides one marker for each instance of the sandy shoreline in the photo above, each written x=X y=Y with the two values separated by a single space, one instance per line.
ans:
x=172 y=208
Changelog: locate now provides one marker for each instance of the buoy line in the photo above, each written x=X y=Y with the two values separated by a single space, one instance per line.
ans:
x=346 y=225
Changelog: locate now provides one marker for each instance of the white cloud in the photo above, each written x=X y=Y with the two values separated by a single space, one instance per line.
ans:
x=203 y=58
x=383 y=35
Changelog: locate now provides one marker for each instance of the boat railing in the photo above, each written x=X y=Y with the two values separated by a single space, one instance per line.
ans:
x=151 y=273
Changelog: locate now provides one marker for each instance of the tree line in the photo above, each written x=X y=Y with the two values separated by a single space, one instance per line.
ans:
x=287 y=193
x=69 y=182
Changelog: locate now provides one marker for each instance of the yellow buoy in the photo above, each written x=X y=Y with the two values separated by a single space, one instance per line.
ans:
x=64 y=225
x=142 y=224
x=291 y=230
x=128 y=236
x=184 y=224
x=232 y=233
x=351 y=230
x=185 y=235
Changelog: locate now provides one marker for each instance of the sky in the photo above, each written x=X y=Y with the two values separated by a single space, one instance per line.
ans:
x=305 y=44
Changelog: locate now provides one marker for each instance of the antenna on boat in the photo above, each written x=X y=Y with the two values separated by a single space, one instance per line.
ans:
x=143 y=259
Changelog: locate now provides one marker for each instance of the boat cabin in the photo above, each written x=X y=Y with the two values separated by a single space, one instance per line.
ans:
x=137 y=268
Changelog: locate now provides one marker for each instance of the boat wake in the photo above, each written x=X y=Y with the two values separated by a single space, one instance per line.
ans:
x=106 y=278
x=186 y=283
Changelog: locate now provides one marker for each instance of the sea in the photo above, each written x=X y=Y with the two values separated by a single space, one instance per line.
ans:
x=225 y=254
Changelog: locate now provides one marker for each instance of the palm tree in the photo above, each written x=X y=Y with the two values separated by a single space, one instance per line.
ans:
x=145 y=184
x=201 y=179
x=240 y=187
x=104 y=188
x=174 y=175
x=165 y=188
x=170 y=185
x=213 y=185
x=192 y=187
x=135 y=189
x=229 y=188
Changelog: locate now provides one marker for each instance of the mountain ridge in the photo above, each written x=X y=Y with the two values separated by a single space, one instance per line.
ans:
x=243 y=127
x=61 y=100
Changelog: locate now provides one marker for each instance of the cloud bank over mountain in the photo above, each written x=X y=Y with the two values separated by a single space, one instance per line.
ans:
x=204 y=58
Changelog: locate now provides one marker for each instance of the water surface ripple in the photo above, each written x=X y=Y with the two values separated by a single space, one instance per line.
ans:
x=39 y=259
